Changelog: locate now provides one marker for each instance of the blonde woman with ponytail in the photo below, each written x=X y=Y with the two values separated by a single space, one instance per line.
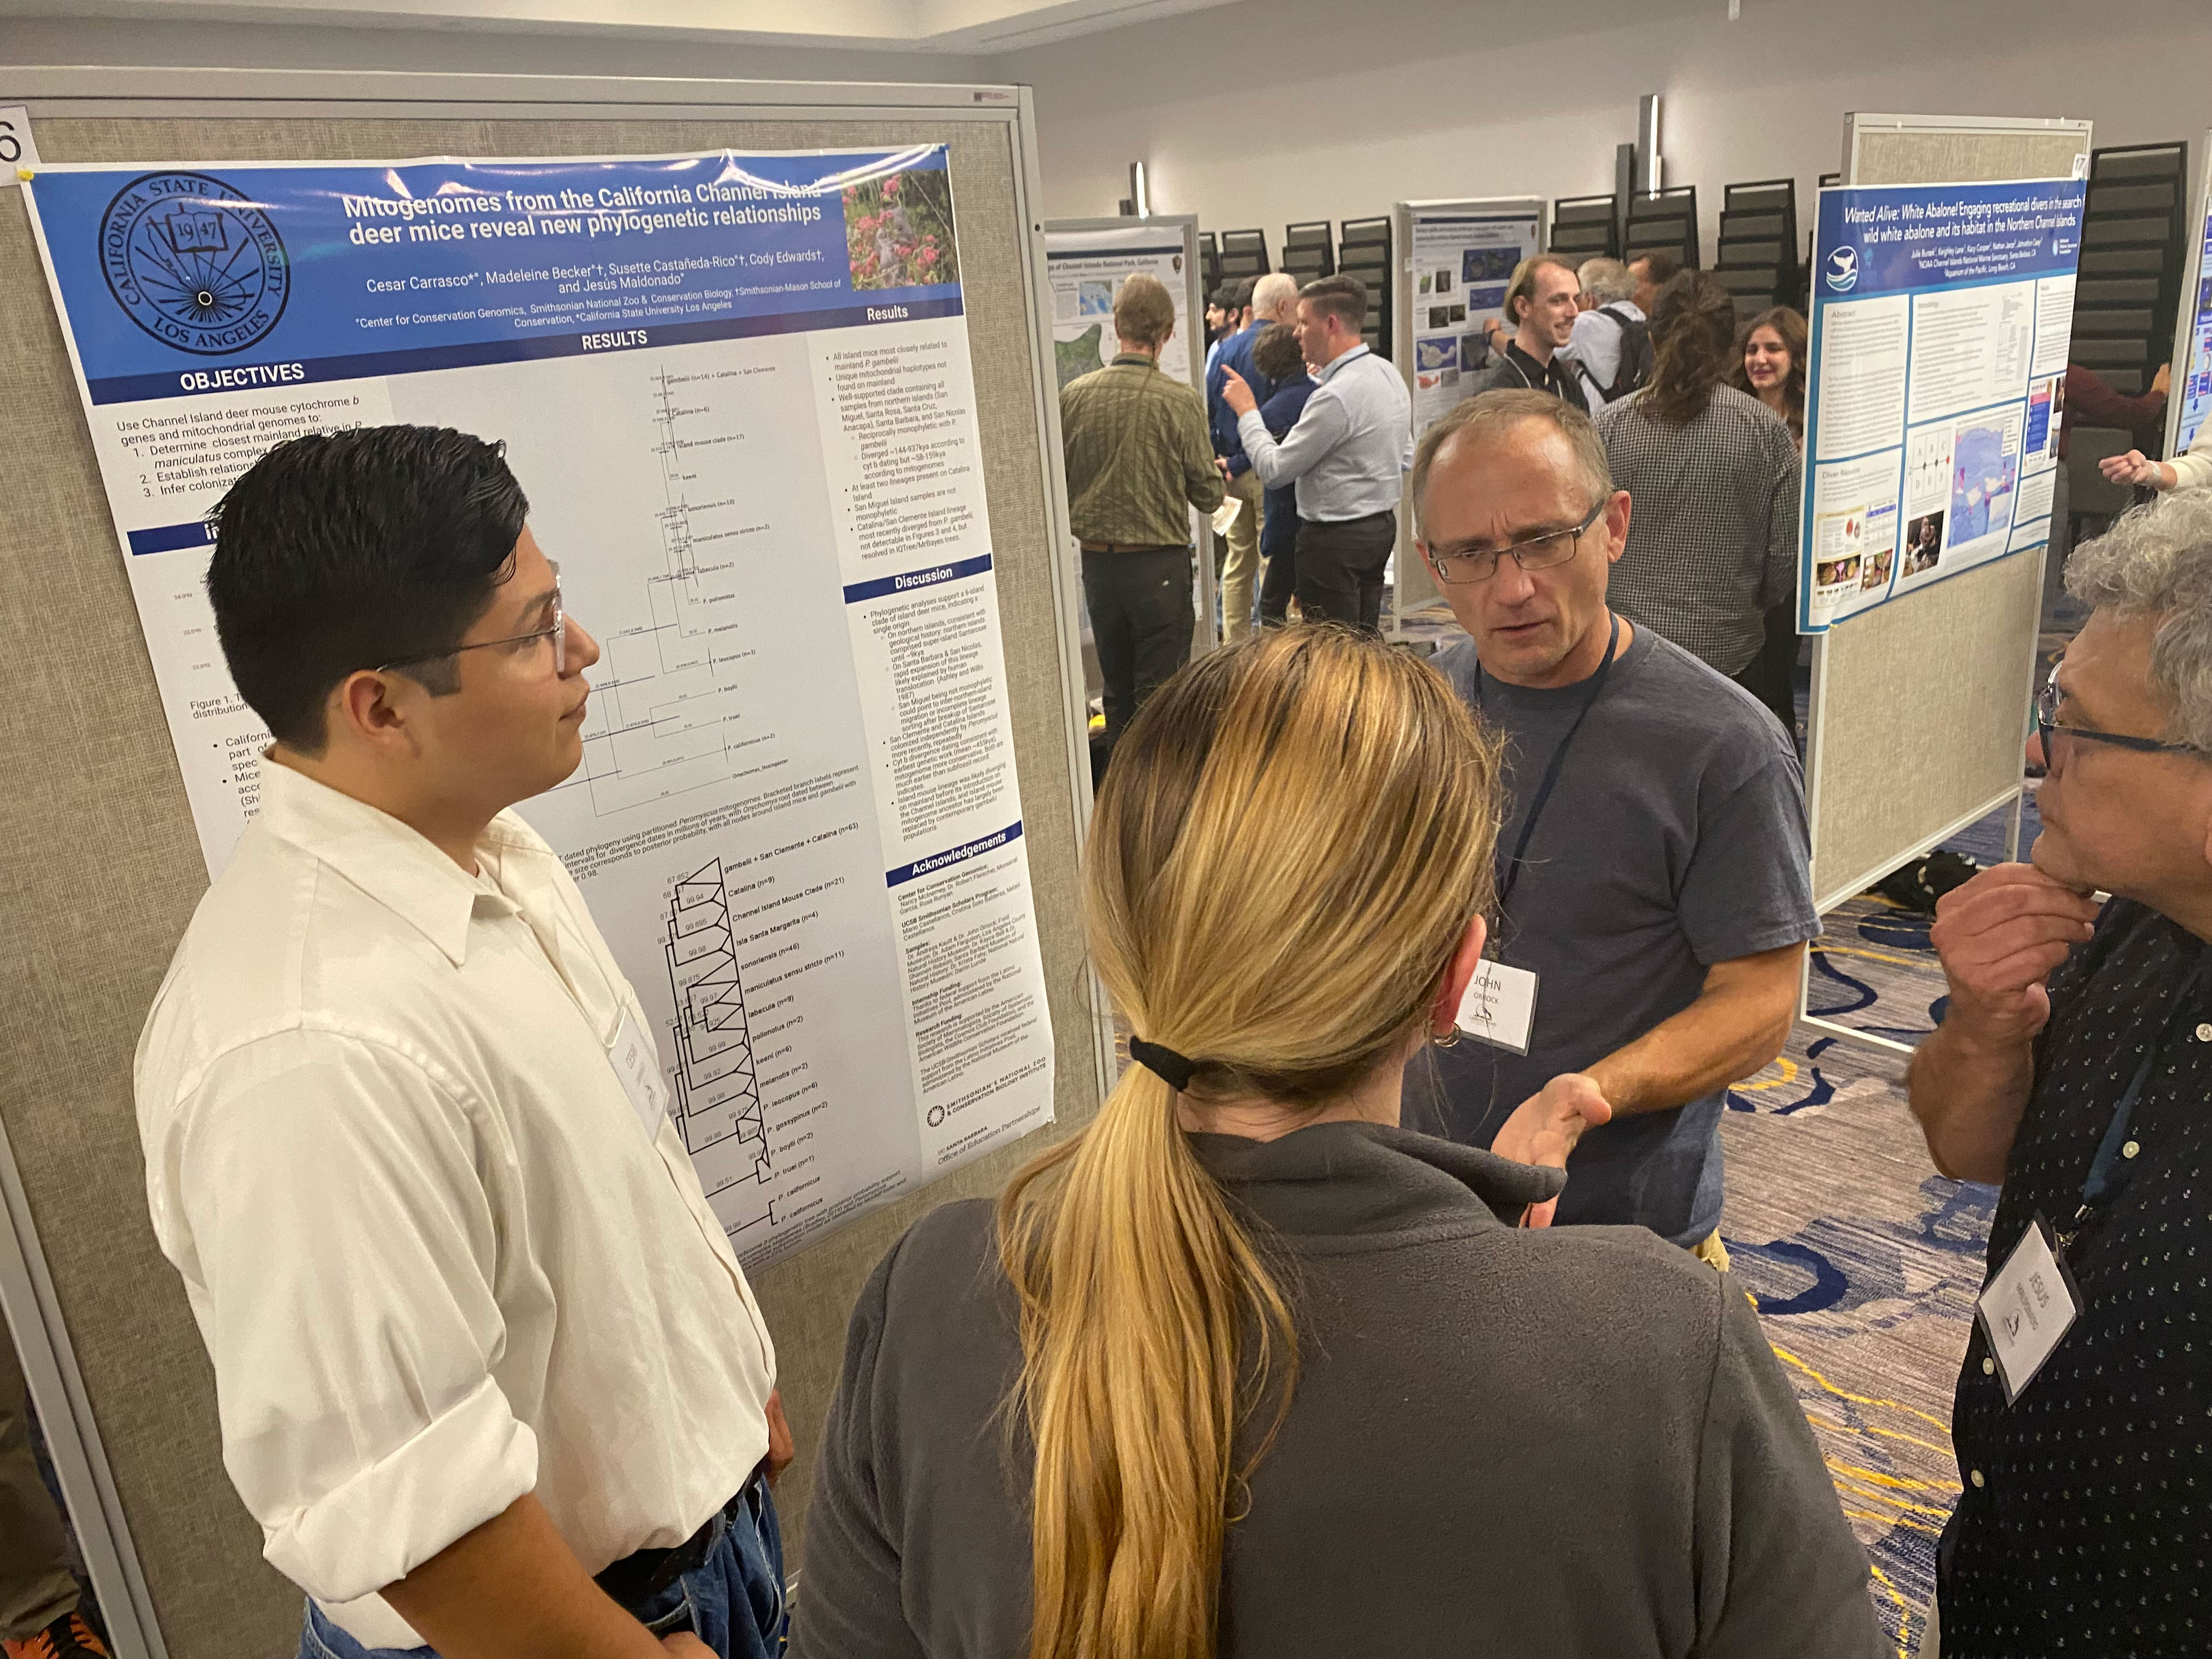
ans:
x=1245 y=1369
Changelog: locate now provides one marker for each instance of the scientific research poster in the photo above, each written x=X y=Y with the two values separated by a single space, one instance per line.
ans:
x=1086 y=268
x=736 y=391
x=1461 y=261
x=2192 y=383
x=1937 y=384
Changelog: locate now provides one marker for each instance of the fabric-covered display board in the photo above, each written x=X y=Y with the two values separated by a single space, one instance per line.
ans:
x=105 y=866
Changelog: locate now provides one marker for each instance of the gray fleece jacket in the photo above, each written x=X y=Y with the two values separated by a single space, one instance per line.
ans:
x=1569 y=1444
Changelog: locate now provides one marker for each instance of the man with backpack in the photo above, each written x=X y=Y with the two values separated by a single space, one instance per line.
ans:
x=1612 y=337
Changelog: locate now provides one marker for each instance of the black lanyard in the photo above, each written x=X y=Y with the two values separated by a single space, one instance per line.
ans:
x=1509 y=872
x=2109 y=1170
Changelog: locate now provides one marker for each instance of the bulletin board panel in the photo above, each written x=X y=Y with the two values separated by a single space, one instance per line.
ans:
x=1181 y=227
x=2189 y=407
x=106 y=869
x=1920 y=706
x=1413 y=586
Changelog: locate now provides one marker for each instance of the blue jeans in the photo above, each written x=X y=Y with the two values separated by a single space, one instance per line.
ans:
x=734 y=1602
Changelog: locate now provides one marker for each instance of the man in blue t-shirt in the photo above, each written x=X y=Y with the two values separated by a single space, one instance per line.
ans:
x=1277 y=356
x=1655 y=889
x=1275 y=298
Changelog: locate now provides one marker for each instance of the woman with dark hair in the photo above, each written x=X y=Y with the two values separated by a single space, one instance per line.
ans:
x=1772 y=369
x=1771 y=365
x=1714 y=475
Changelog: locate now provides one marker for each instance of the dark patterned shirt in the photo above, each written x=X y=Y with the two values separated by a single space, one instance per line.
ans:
x=1712 y=529
x=2086 y=1519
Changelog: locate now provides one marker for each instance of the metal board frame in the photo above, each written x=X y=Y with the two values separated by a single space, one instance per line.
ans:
x=27 y=1298
x=1412 y=587
x=1205 y=636
x=2185 y=315
x=1832 y=682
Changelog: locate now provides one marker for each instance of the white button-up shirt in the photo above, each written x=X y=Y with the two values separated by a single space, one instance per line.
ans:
x=436 y=1257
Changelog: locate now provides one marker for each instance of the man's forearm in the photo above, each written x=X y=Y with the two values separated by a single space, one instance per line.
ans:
x=1967 y=1094
x=514 y=1590
x=1727 y=1034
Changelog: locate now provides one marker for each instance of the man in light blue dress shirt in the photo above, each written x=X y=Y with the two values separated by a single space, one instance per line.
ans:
x=1347 y=456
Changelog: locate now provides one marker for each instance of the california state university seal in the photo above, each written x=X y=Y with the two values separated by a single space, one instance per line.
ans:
x=194 y=261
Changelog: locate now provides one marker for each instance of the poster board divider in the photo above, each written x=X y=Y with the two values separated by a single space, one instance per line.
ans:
x=2195 y=311
x=191 y=1578
x=1413 y=588
x=31 y=1313
x=1067 y=577
x=1207 y=635
x=1968 y=644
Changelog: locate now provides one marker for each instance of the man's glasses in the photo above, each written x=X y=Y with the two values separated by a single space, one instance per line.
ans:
x=2047 y=725
x=558 y=633
x=1554 y=547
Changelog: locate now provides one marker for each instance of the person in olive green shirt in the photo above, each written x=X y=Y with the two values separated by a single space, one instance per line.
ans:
x=1138 y=459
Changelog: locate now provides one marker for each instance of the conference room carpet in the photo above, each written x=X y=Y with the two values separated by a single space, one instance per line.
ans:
x=1862 y=1261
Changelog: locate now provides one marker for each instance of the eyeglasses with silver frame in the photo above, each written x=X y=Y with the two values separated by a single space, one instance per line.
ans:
x=1554 y=547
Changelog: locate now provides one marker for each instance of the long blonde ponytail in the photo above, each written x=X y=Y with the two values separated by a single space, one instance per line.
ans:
x=1292 y=838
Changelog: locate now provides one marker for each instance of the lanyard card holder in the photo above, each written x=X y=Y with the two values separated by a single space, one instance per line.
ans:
x=2028 y=1307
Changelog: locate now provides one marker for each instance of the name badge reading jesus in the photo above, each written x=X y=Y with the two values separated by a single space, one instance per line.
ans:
x=2028 y=1307
x=1500 y=1006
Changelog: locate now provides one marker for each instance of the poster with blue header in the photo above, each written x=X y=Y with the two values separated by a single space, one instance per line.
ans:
x=736 y=391
x=1936 y=385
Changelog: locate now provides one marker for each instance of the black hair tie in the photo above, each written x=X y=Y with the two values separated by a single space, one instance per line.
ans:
x=1165 y=1064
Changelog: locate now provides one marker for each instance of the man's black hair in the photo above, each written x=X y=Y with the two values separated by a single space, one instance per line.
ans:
x=1240 y=292
x=345 y=551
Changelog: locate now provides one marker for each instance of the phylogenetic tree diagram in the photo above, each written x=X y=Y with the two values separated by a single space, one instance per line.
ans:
x=665 y=705
x=718 y=1102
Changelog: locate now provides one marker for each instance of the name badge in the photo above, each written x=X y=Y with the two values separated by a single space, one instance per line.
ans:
x=1500 y=1006
x=2028 y=1307
x=637 y=1064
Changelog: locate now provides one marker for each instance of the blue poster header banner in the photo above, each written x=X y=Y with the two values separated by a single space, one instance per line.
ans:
x=1901 y=239
x=184 y=282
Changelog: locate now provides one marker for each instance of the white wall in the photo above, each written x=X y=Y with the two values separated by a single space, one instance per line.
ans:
x=1271 y=111
x=108 y=41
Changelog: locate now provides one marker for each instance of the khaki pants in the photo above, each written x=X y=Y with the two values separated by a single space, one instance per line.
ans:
x=1240 y=577
x=36 y=1587
x=1710 y=1251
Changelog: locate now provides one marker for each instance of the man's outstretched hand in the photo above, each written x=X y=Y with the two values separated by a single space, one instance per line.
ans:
x=1544 y=1127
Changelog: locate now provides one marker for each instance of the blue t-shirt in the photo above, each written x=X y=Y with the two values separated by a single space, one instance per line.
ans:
x=1279 y=533
x=1674 y=839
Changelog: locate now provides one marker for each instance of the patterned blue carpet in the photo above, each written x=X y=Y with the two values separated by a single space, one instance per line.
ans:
x=1862 y=1261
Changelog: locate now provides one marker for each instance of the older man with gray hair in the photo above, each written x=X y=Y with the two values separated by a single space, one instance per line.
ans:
x=1612 y=339
x=2074 y=1065
x=1274 y=299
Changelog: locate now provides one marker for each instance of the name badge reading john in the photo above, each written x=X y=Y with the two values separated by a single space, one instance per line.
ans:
x=2028 y=1307
x=1500 y=1006
x=637 y=1063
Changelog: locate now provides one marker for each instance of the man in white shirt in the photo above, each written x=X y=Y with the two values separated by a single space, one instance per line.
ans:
x=1612 y=336
x=478 y=1337
x=1347 y=455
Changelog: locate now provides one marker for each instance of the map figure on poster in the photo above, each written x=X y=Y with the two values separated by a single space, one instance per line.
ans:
x=1072 y=359
x=1981 y=478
